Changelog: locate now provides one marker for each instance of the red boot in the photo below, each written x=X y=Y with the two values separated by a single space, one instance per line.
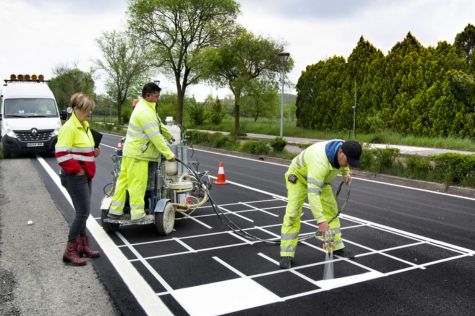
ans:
x=71 y=255
x=85 y=249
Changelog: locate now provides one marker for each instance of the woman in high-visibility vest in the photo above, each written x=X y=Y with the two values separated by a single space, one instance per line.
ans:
x=75 y=152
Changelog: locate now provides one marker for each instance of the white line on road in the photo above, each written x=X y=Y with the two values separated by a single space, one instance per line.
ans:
x=141 y=290
x=356 y=178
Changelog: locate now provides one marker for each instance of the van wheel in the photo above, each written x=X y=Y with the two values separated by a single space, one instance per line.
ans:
x=6 y=153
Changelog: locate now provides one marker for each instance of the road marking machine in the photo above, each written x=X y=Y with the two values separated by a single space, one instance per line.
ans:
x=173 y=188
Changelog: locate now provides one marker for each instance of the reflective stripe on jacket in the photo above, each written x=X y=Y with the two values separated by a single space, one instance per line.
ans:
x=314 y=170
x=146 y=135
x=74 y=149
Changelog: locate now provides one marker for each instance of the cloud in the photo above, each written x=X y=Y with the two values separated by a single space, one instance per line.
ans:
x=94 y=7
x=311 y=37
x=38 y=35
x=311 y=9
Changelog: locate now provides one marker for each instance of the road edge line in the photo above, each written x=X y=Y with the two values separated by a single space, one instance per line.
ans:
x=140 y=289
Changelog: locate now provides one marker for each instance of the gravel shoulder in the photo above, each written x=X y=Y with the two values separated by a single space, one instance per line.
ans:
x=33 y=278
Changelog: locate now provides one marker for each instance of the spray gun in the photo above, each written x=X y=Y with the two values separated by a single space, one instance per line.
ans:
x=328 y=241
x=328 y=237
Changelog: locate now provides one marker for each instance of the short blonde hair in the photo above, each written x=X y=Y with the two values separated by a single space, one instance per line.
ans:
x=82 y=102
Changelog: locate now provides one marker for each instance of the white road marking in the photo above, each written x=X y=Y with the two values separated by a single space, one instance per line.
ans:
x=356 y=178
x=260 y=209
x=196 y=220
x=139 y=288
x=241 y=238
x=224 y=297
x=235 y=214
x=178 y=240
x=324 y=284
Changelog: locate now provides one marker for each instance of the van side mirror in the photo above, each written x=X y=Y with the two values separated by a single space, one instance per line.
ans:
x=63 y=115
x=0 y=117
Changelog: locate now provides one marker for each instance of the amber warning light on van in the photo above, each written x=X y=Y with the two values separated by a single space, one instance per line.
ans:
x=26 y=77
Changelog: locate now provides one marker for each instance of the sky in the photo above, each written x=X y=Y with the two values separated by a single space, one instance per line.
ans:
x=37 y=36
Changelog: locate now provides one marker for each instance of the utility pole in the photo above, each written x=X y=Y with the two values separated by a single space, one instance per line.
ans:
x=283 y=62
x=354 y=115
x=110 y=112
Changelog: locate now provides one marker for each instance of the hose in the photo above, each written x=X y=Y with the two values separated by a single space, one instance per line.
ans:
x=239 y=231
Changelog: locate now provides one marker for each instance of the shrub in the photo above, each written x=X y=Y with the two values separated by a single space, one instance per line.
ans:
x=197 y=113
x=126 y=112
x=377 y=139
x=454 y=168
x=220 y=140
x=278 y=144
x=379 y=159
x=217 y=140
x=198 y=137
x=256 y=147
x=418 y=167
x=216 y=114
x=386 y=157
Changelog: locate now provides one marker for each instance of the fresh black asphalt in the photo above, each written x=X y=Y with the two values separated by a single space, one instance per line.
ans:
x=381 y=224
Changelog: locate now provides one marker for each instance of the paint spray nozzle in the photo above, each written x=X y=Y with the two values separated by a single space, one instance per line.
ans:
x=328 y=242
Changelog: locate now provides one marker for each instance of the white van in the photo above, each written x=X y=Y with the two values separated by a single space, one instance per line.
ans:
x=29 y=116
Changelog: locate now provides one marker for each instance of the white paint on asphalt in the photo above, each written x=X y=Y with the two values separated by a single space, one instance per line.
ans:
x=141 y=290
x=372 y=224
x=225 y=297
x=344 y=281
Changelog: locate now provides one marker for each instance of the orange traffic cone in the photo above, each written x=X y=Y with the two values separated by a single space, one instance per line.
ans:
x=221 y=179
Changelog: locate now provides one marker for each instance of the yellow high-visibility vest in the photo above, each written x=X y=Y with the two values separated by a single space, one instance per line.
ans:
x=146 y=135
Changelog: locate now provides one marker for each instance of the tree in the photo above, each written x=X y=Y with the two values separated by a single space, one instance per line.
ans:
x=68 y=81
x=176 y=31
x=320 y=95
x=465 y=43
x=240 y=60
x=260 y=98
x=126 y=65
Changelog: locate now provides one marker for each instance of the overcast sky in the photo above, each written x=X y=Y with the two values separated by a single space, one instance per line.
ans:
x=38 y=35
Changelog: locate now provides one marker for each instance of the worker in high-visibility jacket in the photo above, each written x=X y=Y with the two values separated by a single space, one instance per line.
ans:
x=75 y=151
x=146 y=141
x=310 y=175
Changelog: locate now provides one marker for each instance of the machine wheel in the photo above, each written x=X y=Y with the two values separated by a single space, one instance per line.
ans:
x=108 y=227
x=165 y=221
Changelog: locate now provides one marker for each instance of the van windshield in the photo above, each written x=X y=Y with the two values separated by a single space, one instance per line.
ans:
x=30 y=108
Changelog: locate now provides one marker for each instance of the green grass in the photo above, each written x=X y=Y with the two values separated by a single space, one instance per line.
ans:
x=272 y=127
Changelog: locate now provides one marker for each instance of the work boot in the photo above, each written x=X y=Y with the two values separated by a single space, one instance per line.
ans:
x=138 y=217
x=344 y=253
x=71 y=255
x=115 y=214
x=285 y=262
x=84 y=248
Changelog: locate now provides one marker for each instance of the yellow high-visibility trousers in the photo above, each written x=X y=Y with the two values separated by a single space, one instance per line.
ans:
x=133 y=178
x=296 y=194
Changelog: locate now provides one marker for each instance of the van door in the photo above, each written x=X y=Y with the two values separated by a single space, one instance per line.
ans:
x=1 y=116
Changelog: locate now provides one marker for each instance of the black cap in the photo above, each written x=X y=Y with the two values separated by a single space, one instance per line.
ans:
x=352 y=151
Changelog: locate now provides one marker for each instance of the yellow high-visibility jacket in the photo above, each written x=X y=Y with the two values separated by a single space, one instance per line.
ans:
x=75 y=147
x=146 y=135
x=314 y=169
